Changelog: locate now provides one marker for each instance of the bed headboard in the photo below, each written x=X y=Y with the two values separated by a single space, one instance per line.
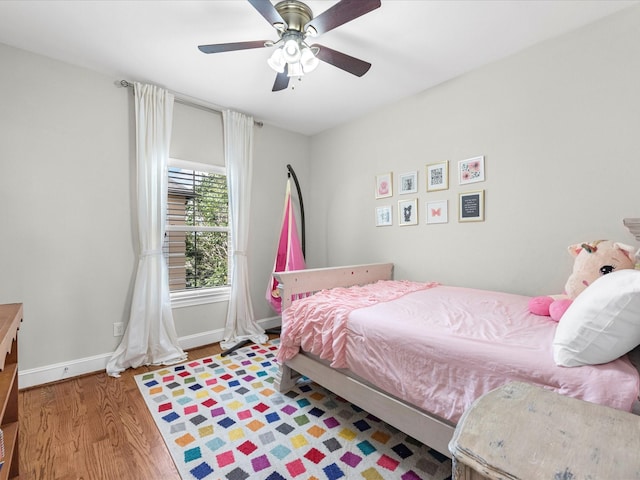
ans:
x=301 y=283
x=633 y=224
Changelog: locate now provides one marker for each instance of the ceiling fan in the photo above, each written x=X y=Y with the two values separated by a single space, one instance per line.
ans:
x=294 y=22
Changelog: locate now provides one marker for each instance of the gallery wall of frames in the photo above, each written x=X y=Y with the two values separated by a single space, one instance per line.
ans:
x=405 y=186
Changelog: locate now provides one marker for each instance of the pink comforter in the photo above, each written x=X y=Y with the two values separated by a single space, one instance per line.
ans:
x=441 y=348
x=318 y=323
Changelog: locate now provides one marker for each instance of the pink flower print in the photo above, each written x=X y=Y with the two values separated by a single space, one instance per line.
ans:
x=383 y=188
x=470 y=171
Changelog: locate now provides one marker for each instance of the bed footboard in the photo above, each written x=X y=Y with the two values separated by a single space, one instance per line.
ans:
x=301 y=283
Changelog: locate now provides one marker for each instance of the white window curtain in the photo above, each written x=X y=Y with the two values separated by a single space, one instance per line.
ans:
x=238 y=153
x=150 y=337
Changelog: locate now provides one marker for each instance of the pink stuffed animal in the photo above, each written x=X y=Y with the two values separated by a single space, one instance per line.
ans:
x=592 y=260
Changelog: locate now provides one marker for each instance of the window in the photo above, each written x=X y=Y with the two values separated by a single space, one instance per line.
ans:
x=197 y=232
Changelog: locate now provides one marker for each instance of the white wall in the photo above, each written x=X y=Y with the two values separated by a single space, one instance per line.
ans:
x=68 y=240
x=559 y=126
x=65 y=206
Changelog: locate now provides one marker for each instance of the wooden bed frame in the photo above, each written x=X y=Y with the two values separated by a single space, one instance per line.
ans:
x=421 y=425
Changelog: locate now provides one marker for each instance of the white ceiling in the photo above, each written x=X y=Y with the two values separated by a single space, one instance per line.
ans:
x=412 y=44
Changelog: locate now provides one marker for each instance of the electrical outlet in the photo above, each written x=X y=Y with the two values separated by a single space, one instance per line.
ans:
x=118 y=329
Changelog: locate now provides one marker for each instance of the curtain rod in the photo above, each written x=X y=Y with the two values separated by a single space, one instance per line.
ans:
x=180 y=99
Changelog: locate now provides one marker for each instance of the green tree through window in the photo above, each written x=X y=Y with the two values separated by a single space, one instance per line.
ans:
x=197 y=229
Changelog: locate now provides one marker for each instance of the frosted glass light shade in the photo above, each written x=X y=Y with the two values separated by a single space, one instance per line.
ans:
x=291 y=51
x=295 y=70
x=276 y=60
x=308 y=60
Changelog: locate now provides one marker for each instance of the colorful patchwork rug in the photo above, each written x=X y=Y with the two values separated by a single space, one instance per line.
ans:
x=222 y=418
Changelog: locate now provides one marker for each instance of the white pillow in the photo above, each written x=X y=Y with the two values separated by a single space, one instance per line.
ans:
x=602 y=323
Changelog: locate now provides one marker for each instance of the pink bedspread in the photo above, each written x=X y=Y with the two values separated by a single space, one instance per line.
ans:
x=441 y=348
x=318 y=323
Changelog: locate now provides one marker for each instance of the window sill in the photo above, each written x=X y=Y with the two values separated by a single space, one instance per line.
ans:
x=191 y=298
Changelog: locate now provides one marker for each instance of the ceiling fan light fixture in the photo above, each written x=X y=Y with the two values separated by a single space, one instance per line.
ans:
x=295 y=70
x=276 y=60
x=308 y=60
x=294 y=22
x=291 y=50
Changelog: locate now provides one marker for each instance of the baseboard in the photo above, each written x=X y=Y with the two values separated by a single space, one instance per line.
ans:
x=82 y=366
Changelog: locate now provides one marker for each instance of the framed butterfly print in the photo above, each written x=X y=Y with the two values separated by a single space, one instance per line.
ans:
x=437 y=212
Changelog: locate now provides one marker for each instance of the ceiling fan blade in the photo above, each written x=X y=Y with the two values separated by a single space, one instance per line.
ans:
x=230 y=47
x=343 y=61
x=282 y=80
x=341 y=13
x=268 y=11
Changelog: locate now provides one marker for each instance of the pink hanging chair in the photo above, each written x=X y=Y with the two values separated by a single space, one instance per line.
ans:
x=289 y=255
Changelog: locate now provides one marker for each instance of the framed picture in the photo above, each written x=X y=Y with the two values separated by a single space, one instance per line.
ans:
x=384 y=216
x=438 y=176
x=471 y=170
x=437 y=212
x=471 y=206
x=384 y=185
x=408 y=212
x=408 y=183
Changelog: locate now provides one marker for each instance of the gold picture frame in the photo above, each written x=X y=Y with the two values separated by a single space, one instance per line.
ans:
x=471 y=206
x=437 y=176
x=384 y=185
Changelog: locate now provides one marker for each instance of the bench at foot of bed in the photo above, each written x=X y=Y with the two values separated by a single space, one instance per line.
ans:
x=521 y=431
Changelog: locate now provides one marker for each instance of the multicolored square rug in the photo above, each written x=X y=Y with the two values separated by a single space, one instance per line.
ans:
x=222 y=418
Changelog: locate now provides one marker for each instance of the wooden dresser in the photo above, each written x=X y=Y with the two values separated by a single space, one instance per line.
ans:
x=520 y=431
x=10 y=318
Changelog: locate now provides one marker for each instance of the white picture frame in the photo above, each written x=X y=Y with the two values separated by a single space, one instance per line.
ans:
x=471 y=170
x=384 y=216
x=408 y=212
x=437 y=211
x=408 y=183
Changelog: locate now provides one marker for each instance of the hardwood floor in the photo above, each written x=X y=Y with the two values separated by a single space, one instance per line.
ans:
x=93 y=427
